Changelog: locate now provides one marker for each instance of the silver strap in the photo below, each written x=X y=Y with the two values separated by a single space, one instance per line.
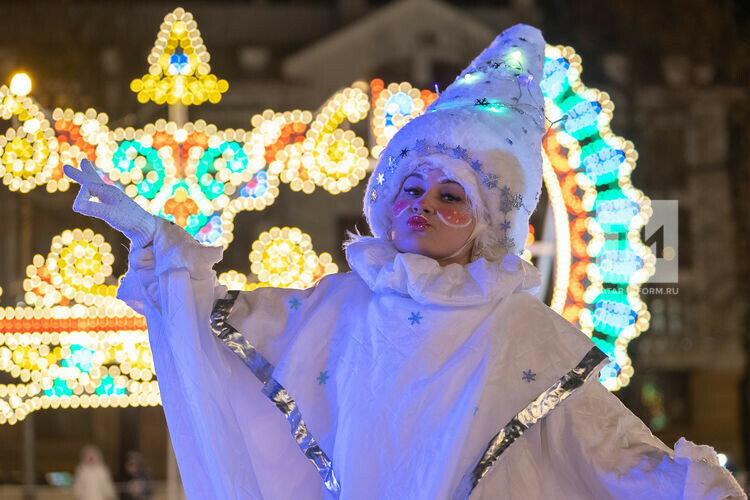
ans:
x=274 y=391
x=534 y=412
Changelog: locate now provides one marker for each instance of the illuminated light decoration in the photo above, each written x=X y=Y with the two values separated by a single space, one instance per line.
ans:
x=210 y=231
x=614 y=210
x=74 y=344
x=71 y=369
x=602 y=162
x=618 y=264
x=235 y=281
x=180 y=207
x=393 y=107
x=563 y=257
x=77 y=134
x=284 y=257
x=29 y=154
x=328 y=157
x=273 y=131
x=20 y=84
x=601 y=260
x=195 y=175
x=281 y=258
x=558 y=72
x=170 y=170
x=530 y=239
x=612 y=315
x=582 y=118
x=75 y=270
x=179 y=71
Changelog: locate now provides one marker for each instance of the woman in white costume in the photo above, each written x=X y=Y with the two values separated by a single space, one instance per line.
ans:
x=430 y=371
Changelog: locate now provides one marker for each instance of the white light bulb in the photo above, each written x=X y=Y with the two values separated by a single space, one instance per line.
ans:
x=20 y=84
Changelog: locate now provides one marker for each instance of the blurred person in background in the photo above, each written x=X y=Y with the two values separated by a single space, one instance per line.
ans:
x=92 y=478
x=139 y=485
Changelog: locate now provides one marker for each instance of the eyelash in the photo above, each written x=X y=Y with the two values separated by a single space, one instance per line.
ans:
x=414 y=191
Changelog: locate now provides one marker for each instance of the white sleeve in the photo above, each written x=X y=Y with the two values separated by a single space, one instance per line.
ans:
x=229 y=440
x=594 y=438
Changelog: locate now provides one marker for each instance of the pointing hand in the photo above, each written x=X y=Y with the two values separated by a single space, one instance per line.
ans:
x=114 y=207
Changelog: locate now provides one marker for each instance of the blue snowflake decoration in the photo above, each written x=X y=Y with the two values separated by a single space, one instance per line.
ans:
x=415 y=318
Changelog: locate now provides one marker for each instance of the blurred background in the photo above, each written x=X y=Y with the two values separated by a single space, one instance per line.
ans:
x=678 y=73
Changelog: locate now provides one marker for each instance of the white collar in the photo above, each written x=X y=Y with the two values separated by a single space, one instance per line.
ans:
x=385 y=269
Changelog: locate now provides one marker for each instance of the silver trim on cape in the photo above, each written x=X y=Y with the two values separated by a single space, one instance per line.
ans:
x=534 y=412
x=274 y=391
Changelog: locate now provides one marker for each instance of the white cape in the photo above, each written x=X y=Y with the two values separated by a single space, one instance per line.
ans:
x=403 y=371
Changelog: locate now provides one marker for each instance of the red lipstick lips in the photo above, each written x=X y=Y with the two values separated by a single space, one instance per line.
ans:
x=417 y=223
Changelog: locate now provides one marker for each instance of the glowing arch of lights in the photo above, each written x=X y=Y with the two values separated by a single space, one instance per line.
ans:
x=601 y=261
x=76 y=345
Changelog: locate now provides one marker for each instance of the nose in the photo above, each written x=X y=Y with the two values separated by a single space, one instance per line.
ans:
x=419 y=206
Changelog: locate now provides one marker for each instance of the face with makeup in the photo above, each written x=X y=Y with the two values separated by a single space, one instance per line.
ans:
x=432 y=216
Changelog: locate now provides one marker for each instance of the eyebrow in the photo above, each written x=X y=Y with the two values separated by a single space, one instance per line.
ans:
x=421 y=176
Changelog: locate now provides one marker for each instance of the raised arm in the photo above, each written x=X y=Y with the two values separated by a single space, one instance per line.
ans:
x=229 y=438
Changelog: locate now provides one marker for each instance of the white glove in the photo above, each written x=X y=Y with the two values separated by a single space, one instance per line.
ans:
x=114 y=207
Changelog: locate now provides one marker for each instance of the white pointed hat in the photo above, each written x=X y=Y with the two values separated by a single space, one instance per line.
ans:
x=485 y=130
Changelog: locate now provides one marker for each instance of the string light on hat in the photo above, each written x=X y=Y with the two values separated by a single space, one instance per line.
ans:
x=600 y=264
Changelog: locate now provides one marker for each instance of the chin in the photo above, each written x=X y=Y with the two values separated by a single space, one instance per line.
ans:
x=414 y=245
